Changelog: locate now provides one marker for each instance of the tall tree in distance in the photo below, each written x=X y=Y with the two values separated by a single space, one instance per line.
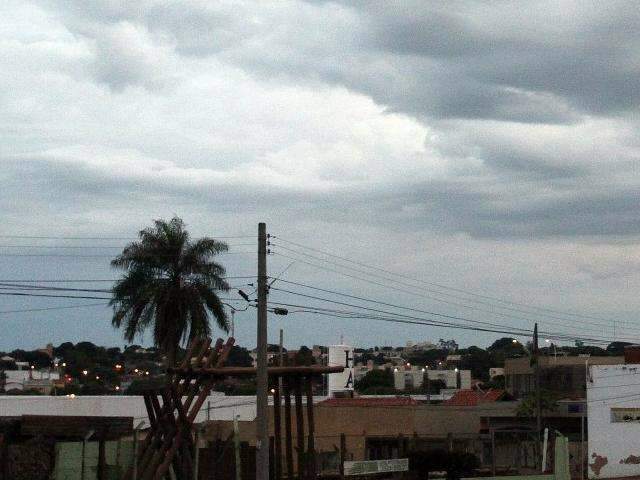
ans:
x=169 y=286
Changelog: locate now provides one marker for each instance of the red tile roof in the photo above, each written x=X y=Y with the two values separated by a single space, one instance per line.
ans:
x=370 y=402
x=471 y=398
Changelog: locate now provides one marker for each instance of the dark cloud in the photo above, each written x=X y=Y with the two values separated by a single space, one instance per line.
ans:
x=420 y=133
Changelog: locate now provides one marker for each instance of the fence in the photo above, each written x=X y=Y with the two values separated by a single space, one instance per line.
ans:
x=80 y=460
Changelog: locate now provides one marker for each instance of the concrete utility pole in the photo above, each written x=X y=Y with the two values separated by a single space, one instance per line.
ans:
x=536 y=359
x=262 y=420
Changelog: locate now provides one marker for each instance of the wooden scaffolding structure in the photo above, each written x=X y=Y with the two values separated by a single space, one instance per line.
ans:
x=169 y=446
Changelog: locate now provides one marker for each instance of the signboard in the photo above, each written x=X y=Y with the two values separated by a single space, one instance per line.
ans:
x=367 y=467
x=341 y=355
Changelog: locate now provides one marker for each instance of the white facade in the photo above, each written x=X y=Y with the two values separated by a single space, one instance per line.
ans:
x=218 y=406
x=17 y=379
x=496 y=372
x=414 y=378
x=341 y=356
x=613 y=413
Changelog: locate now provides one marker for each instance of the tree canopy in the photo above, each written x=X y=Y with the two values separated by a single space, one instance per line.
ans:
x=169 y=286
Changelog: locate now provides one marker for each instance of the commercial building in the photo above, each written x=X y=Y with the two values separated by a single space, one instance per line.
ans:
x=564 y=375
x=410 y=377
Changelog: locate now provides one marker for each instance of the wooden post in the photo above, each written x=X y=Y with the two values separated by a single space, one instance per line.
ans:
x=135 y=454
x=311 y=449
x=102 y=462
x=493 y=452
x=287 y=426
x=277 y=431
x=299 y=426
x=272 y=454
x=3 y=457
x=343 y=453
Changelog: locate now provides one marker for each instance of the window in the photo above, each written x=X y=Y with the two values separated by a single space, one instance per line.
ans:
x=625 y=415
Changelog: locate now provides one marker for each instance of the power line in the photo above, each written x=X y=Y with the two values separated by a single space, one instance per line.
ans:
x=404 y=290
x=120 y=247
x=14 y=286
x=420 y=321
x=439 y=285
x=21 y=294
x=46 y=309
x=88 y=280
x=559 y=336
x=18 y=286
x=382 y=303
x=61 y=255
x=59 y=237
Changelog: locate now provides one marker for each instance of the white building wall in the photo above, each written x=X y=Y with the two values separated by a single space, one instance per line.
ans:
x=401 y=378
x=613 y=445
x=17 y=378
x=220 y=407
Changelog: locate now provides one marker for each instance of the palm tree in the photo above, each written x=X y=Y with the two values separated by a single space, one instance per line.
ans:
x=170 y=285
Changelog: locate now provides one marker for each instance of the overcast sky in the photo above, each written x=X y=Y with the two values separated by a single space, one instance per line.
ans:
x=487 y=146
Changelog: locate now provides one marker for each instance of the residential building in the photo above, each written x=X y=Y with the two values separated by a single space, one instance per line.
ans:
x=420 y=347
x=41 y=380
x=614 y=418
x=562 y=375
x=409 y=377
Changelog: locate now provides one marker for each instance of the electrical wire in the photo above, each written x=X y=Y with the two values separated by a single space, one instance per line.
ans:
x=46 y=309
x=404 y=290
x=63 y=255
x=333 y=292
x=103 y=238
x=40 y=280
x=98 y=247
x=399 y=318
x=465 y=292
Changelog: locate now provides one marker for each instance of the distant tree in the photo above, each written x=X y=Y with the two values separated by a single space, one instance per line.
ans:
x=527 y=406
x=239 y=357
x=304 y=356
x=477 y=360
x=94 y=388
x=497 y=383
x=375 y=379
x=142 y=385
x=448 y=345
x=426 y=357
x=8 y=365
x=378 y=358
x=504 y=348
x=170 y=285
x=617 y=348
x=33 y=357
x=27 y=391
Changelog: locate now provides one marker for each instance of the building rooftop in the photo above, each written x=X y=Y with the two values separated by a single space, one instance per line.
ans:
x=370 y=402
x=471 y=398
